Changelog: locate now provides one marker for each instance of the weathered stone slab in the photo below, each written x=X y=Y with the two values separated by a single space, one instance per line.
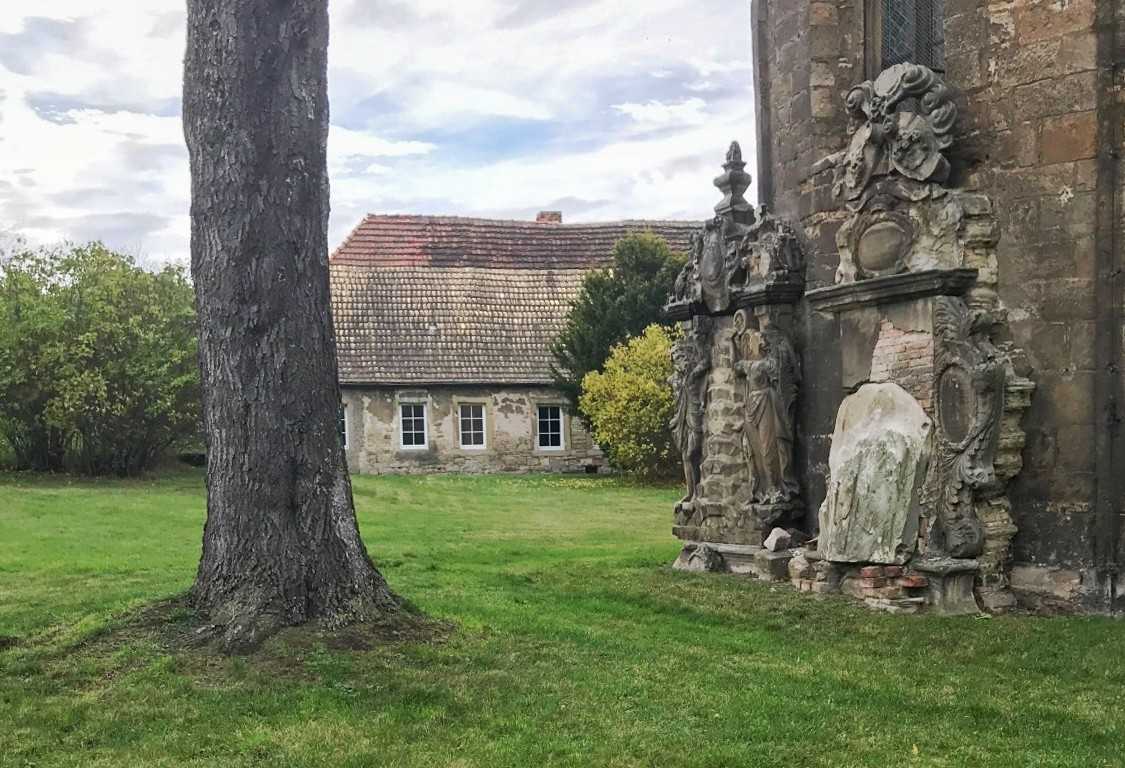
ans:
x=880 y=451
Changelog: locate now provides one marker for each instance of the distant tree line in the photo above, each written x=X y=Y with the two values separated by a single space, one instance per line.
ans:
x=98 y=361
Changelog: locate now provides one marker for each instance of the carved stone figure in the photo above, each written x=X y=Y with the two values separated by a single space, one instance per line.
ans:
x=691 y=362
x=767 y=432
x=687 y=288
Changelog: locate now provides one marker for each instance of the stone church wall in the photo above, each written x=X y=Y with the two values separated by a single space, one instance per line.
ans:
x=1039 y=132
x=374 y=441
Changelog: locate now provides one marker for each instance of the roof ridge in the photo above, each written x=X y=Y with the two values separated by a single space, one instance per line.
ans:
x=424 y=217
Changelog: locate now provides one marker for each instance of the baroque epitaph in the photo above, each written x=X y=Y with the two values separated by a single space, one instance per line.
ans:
x=737 y=378
x=925 y=350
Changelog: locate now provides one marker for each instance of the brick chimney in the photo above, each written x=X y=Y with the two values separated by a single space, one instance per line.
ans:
x=549 y=217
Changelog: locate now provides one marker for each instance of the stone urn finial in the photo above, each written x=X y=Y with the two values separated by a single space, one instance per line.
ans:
x=733 y=184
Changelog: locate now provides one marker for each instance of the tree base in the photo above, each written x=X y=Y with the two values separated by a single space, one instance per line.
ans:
x=241 y=626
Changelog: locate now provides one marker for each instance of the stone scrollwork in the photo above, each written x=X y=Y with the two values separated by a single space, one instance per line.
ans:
x=769 y=254
x=970 y=380
x=892 y=176
x=901 y=123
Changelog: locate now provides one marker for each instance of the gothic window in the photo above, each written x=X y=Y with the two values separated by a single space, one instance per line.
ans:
x=342 y=424
x=906 y=31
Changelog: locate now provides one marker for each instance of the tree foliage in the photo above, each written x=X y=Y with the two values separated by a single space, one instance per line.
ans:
x=613 y=305
x=630 y=403
x=98 y=365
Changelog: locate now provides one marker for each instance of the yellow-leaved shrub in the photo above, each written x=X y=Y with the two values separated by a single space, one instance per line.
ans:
x=629 y=404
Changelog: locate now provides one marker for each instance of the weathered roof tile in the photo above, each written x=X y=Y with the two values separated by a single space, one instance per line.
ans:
x=423 y=300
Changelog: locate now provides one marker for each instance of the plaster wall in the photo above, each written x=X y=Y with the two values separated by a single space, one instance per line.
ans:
x=374 y=444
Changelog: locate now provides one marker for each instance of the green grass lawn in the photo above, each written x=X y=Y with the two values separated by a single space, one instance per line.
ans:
x=573 y=644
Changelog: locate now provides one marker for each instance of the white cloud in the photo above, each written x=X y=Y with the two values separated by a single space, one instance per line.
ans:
x=618 y=108
x=343 y=142
x=657 y=114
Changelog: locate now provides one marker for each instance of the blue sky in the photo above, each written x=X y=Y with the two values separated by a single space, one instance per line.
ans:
x=604 y=109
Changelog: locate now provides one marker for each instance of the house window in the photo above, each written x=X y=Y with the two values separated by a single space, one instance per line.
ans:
x=472 y=426
x=906 y=31
x=413 y=424
x=550 y=428
x=342 y=424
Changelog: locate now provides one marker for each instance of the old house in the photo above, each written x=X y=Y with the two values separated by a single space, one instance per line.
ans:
x=1036 y=87
x=444 y=327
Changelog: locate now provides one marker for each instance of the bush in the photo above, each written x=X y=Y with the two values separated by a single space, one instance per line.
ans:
x=613 y=305
x=98 y=361
x=630 y=404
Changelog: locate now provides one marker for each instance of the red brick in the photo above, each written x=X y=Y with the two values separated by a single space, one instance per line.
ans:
x=913 y=581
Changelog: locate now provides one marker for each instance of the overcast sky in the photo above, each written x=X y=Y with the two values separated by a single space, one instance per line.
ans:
x=603 y=109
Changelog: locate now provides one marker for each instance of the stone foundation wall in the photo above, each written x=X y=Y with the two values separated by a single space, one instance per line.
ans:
x=374 y=442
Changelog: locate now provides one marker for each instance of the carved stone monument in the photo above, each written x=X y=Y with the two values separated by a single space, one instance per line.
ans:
x=737 y=377
x=918 y=311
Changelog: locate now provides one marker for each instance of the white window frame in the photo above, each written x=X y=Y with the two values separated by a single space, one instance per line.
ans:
x=425 y=425
x=342 y=416
x=539 y=434
x=483 y=427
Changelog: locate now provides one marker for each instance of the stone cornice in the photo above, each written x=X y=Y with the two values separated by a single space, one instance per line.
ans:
x=881 y=290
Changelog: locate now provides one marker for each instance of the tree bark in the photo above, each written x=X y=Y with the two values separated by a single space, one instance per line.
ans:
x=281 y=545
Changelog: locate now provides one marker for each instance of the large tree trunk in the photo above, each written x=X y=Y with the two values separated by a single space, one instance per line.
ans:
x=281 y=545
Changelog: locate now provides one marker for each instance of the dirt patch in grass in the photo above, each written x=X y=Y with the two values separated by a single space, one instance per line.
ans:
x=7 y=641
x=401 y=629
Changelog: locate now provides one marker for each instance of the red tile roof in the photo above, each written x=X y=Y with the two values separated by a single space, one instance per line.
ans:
x=450 y=241
x=429 y=300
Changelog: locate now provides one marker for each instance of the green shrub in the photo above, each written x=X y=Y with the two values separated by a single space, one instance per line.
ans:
x=630 y=403
x=613 y=305
x=98 y=360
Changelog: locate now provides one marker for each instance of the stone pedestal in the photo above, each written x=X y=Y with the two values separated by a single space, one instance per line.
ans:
x=772 y=566
x=950 y=591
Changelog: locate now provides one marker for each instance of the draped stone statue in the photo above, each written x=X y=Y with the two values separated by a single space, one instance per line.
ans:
x=765 y=362
x=691 y=363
